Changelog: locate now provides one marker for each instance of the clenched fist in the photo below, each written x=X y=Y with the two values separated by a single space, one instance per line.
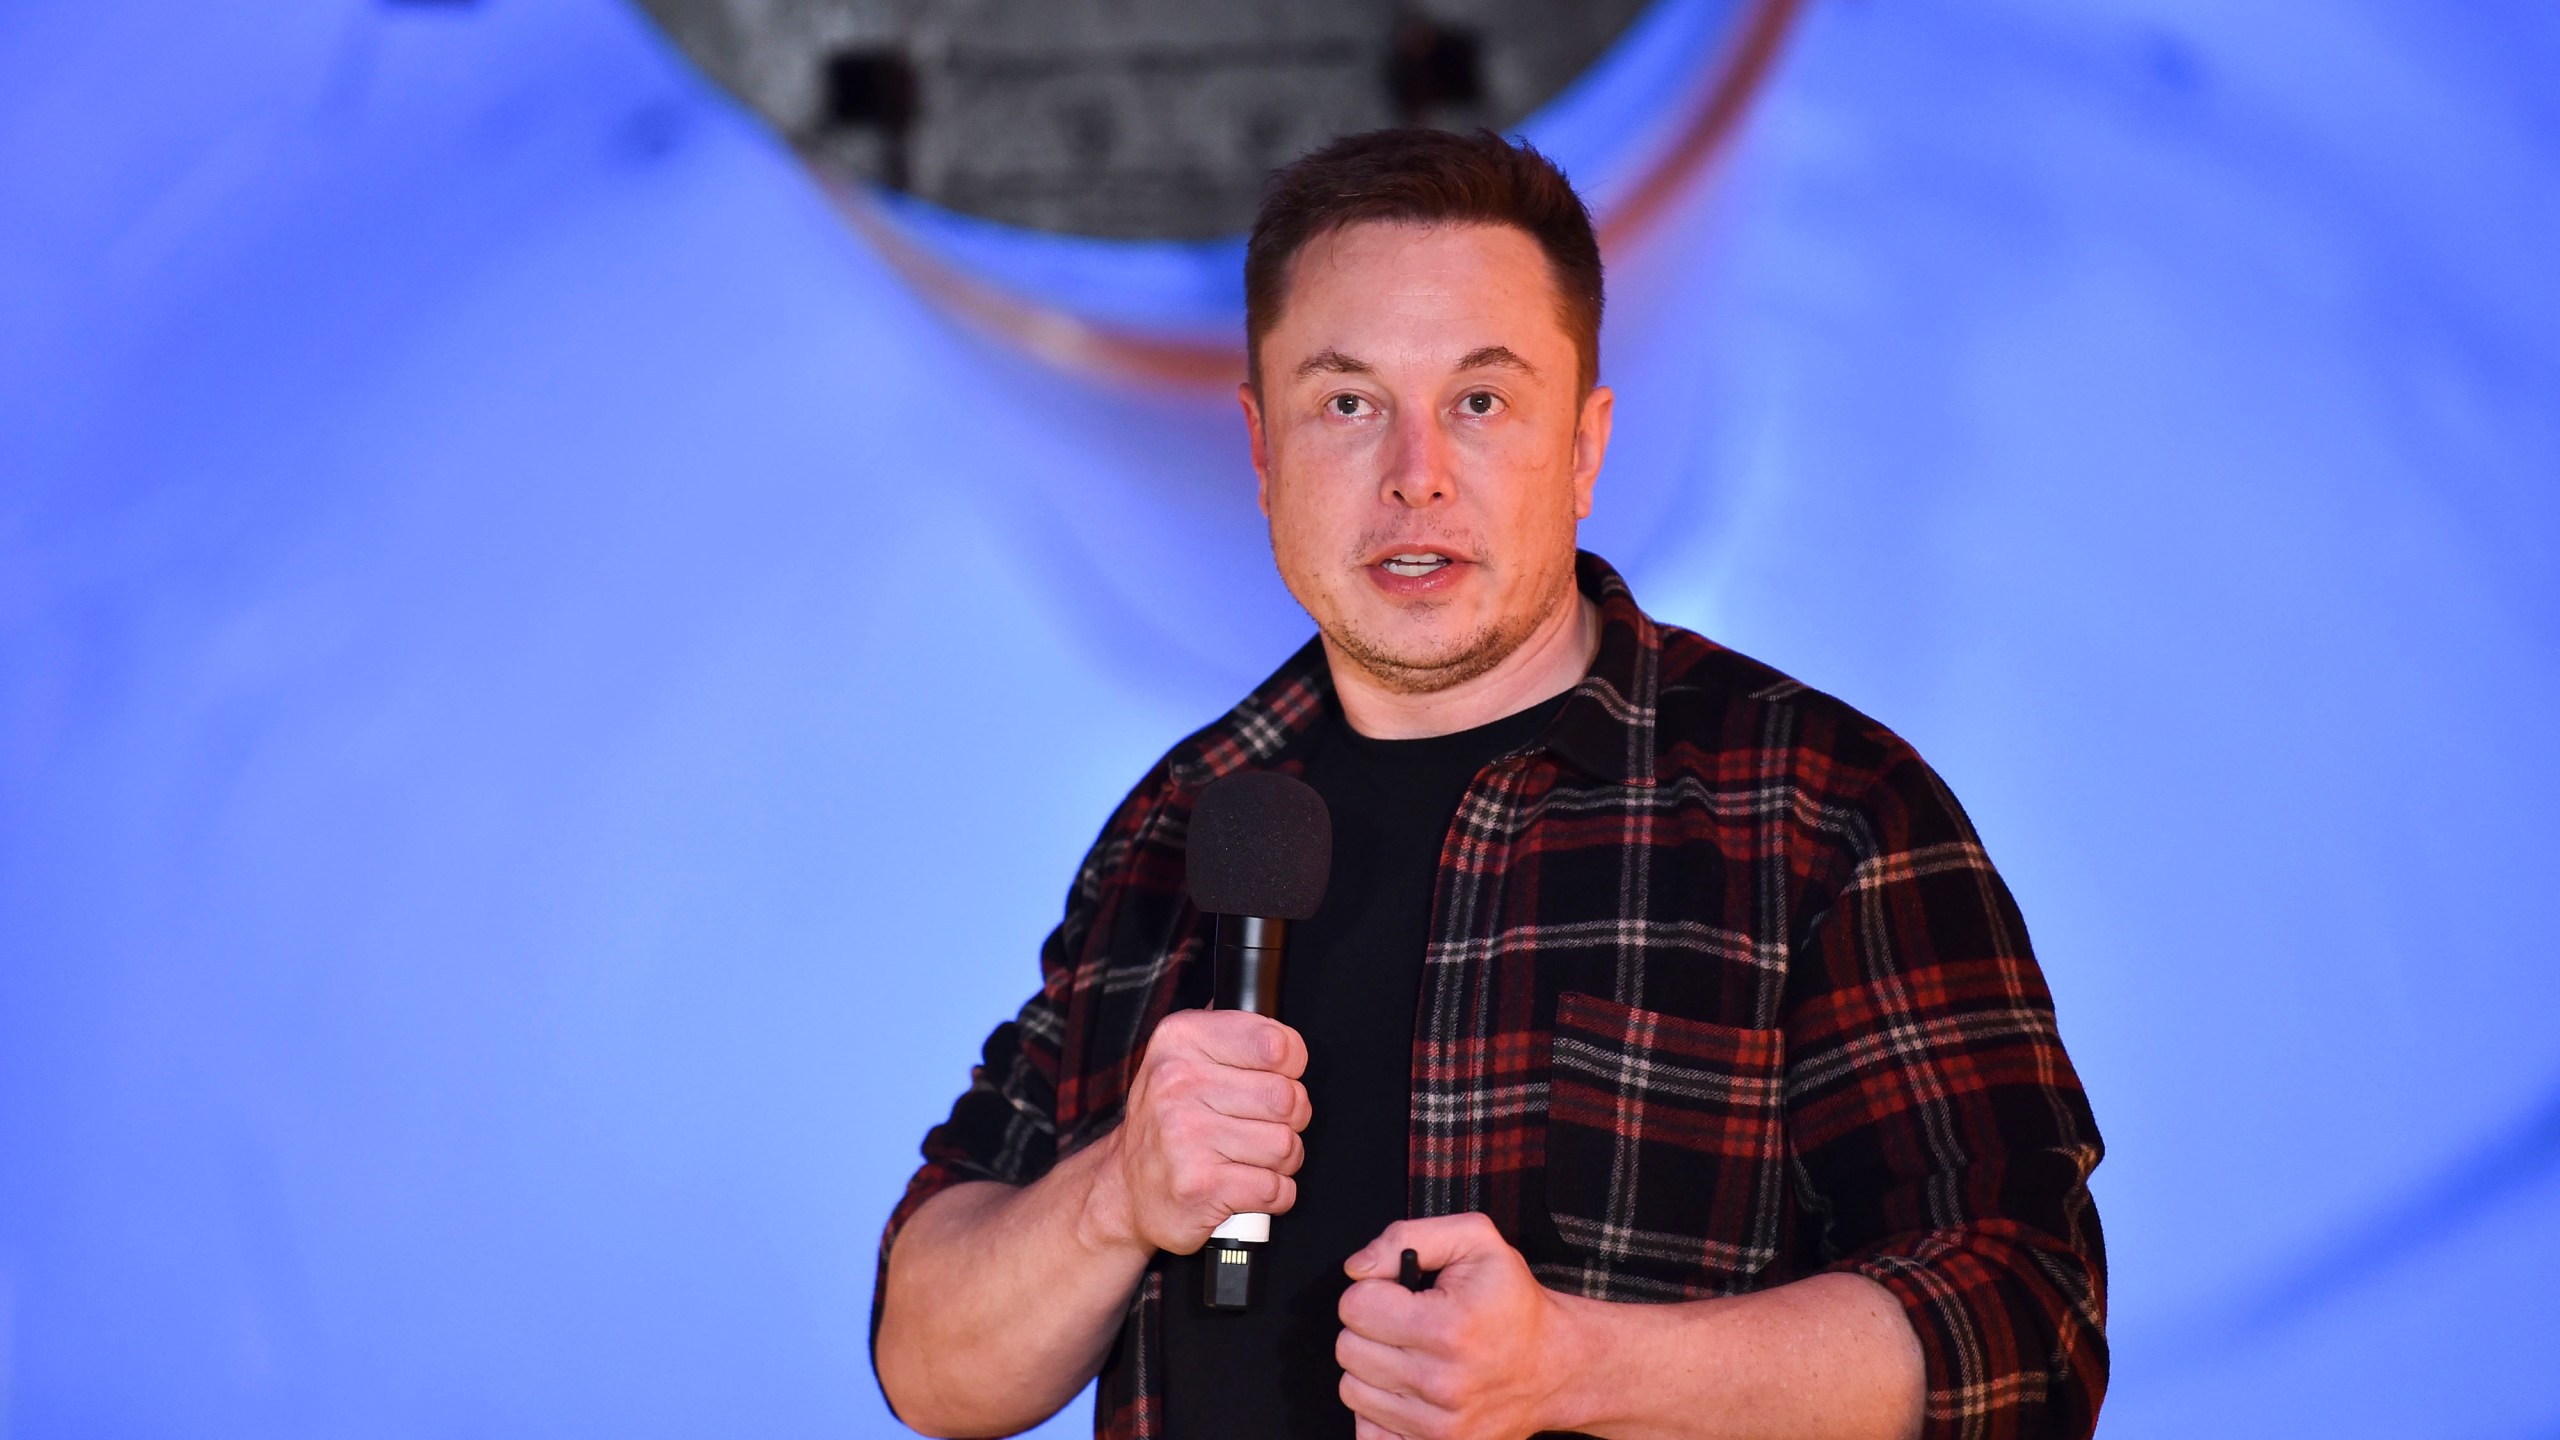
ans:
x=1211 y=1130
x=1481 y=1355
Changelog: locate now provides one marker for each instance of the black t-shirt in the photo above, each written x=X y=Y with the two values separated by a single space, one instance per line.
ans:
x=1350 y=986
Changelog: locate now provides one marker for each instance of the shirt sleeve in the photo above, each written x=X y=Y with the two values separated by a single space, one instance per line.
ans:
x=1939 y=1128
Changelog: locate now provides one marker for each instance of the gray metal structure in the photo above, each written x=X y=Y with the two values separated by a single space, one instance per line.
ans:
x=1124 y=117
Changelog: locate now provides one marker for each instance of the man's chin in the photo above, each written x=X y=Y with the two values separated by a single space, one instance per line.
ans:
x=1419 y=667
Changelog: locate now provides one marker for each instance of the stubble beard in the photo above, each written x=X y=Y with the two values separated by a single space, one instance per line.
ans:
x=1475 y=654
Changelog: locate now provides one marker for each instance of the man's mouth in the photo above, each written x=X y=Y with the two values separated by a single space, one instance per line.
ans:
x=1413 y=564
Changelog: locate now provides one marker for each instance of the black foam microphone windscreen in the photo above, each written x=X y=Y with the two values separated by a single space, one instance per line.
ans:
x=1261 y=844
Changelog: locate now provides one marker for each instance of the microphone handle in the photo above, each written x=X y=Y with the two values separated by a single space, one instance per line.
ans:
x=1248 y=971
x=1250 y=948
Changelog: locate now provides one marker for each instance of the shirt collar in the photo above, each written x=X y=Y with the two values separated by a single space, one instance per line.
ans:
x=1606 y=730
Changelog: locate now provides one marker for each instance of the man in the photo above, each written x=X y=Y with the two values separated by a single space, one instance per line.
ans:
x=1670 y=1011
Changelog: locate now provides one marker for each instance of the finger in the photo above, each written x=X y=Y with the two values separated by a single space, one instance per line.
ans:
x=1384 y=1366
x=1251 y=1042
x=1437 y=1242
x=1229 y=1191
x=1389 y=1314
x=1260 y=1144
x=1389 y=1411
x=1366 y=1429
x=1257 y=1095
x=1250 y=1189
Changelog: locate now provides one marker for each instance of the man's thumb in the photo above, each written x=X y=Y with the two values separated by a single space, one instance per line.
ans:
x=1437 y=1243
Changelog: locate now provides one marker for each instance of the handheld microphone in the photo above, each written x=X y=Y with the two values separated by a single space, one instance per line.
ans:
x=1260 y=850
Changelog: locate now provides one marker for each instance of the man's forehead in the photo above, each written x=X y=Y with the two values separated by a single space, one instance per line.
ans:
x=1359 y=291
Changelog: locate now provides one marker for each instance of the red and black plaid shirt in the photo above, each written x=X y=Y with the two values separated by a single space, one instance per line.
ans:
x=1721 y=992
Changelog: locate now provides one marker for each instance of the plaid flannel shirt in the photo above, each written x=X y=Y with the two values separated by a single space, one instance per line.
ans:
x=1721 y=992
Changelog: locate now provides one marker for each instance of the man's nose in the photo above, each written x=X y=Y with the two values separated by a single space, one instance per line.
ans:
x=1419 y=460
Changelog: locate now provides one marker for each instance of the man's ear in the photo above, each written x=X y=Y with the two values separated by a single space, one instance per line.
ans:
x=1260 y=441
x=1591 y=446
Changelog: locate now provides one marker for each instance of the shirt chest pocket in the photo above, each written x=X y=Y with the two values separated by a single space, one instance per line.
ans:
x=1665 y=1150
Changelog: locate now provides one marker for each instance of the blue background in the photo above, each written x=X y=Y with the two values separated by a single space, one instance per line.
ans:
x=546 y=699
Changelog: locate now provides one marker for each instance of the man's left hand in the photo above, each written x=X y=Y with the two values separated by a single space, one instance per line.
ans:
x=1484 y=1354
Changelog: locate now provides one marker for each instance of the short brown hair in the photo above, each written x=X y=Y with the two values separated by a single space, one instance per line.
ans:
x=1419 y=176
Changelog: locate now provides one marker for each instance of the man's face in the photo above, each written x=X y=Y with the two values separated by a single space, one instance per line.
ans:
x=1423 y=451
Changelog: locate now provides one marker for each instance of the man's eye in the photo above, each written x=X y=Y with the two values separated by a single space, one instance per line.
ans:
x=1480 y=403
x=1346 y=404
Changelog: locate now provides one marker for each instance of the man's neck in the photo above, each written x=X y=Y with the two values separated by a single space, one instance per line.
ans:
x=1551 y=661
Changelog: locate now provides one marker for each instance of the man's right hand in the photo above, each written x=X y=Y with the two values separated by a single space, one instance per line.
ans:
x=1211 y=1131
x=1002 y=1301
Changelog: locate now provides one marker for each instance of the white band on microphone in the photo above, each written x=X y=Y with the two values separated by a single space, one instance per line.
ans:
x=1250 y=1228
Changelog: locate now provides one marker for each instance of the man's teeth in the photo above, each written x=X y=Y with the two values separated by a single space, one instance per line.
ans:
x=1416 y=564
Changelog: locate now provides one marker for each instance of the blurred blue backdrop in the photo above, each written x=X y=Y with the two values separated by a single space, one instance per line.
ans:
x=516 y=634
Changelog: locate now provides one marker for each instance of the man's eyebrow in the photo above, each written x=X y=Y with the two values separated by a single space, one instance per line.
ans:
x=1329 y=361
x=1491 y=355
